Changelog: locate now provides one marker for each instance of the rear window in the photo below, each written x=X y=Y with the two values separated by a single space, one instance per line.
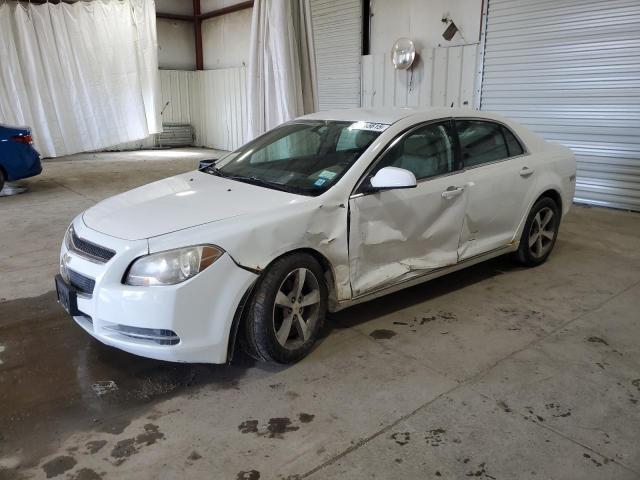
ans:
x=513 y=145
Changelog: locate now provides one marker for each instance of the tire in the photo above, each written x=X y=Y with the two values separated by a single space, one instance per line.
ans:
x=282 y=321
x=539 y=233
x=2 y=179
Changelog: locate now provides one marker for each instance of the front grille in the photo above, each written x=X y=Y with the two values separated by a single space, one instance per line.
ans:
x=81 y=282
x=91 y=250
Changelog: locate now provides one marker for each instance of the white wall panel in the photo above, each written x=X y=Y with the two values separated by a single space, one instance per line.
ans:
x=441 y=77
x=177 y=90
x=220 y=108
x=570 y=70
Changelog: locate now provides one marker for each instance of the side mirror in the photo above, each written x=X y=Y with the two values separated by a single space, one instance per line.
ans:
x=391 y=178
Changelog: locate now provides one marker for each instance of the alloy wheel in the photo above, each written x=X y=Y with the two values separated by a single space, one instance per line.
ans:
x=296 y=308
x=542 y=232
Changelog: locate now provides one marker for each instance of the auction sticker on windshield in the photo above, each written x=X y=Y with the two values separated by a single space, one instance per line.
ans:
x=371 y=126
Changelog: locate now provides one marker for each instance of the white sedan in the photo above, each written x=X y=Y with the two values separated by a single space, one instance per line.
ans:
x=318 y=214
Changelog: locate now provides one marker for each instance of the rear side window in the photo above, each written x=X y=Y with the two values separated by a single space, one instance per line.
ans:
x=481 y=142
x=513 y=145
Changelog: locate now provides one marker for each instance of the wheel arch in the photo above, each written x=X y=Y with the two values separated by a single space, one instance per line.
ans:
x=237 y=324
x=554 y=195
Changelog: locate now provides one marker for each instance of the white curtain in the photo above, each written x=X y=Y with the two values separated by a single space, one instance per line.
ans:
x=83 y=76
x=281 y=77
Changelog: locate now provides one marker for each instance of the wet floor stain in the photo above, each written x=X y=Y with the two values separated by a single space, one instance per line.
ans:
x=86 y=474
x=131 y=446
x=435 y=437
x=442 y=317
x=193 y=456
x=248 y=426
x=306 y=417
x=480 y=471
x=503 y=405
x=592 y=458
x=533 y=414
x=248 y=475
x=401 y=438
x=58 y=466
x=279 y=426
x=276 y=427
x=55 y=378
x=150 y=436
x=382 y=334
x=558 y=411
x=94 y=446
x=124 y=448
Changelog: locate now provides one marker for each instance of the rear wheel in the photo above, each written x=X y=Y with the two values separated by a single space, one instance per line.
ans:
x=539 y=233
x=287 y=310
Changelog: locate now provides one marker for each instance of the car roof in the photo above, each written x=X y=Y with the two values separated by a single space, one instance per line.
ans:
x=390 y=115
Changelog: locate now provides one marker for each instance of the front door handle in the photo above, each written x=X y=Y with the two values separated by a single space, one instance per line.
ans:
x=452 y=192
x=526 y=171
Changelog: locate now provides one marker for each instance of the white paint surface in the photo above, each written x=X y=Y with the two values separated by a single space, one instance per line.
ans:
x=390 y=233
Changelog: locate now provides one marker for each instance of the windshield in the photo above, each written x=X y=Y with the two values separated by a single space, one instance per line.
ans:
x=305 y=157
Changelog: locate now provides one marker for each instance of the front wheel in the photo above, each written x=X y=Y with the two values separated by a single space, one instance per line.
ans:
x=287 y=310
x=539 y=233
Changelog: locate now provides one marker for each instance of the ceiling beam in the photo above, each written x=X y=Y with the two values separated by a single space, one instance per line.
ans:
x=175 y=16
x=230 y=9
x=197 y=27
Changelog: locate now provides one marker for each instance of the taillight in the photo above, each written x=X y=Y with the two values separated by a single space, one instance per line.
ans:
x=22 y=138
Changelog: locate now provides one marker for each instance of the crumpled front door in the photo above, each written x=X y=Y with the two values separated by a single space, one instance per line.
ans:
x=397 y=235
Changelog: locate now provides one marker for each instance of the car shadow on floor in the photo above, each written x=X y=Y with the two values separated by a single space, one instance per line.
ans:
x=364 y=312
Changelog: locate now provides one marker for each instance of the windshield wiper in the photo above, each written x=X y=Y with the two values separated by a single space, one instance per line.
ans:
x=213 y=170
x=259 y=182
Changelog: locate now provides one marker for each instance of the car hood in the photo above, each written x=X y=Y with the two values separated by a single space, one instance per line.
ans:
x=180 y=202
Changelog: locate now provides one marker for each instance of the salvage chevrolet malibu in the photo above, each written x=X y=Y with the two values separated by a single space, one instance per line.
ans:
x=318 y=214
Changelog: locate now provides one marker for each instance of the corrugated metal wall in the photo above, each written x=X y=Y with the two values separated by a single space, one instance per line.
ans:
x=570 y=70
x=176 y=87
x=219 y=103
x=441 y=77
x=337 y=36
x=214 y=102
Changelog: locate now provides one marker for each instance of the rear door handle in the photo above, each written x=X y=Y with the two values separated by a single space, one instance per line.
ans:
x=452 y=192
x=526 y=171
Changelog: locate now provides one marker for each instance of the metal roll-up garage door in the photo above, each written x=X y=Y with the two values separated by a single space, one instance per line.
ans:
x=337 y=36
x=570 y=70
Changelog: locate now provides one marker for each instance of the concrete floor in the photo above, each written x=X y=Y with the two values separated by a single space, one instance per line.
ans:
x=494 y=372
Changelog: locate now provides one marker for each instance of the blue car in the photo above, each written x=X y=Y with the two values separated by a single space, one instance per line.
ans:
x=18 y=158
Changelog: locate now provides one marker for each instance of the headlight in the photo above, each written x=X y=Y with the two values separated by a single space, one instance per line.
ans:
x=172 y=266
x=67 y=237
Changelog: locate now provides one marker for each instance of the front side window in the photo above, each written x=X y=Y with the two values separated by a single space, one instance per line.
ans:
x=481 y=142
x=305 y=157
x=426 y=152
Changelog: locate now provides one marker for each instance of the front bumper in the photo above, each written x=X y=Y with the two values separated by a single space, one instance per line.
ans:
x=199 y=311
